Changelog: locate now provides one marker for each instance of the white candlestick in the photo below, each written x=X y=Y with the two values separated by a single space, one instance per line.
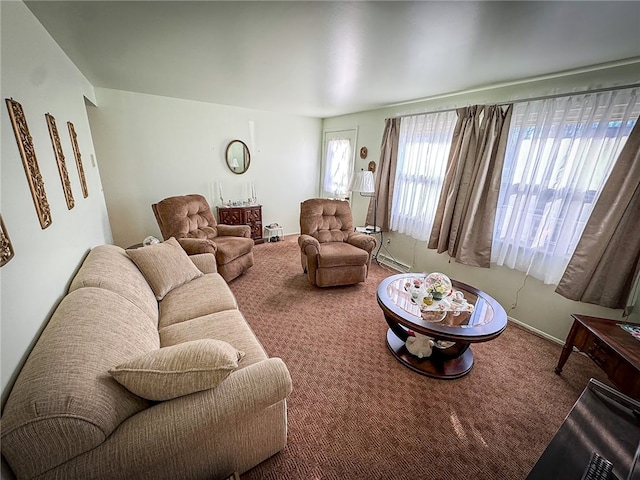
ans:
x=220 y=189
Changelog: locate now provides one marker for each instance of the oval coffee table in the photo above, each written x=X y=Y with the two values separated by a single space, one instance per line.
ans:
x=454 y=333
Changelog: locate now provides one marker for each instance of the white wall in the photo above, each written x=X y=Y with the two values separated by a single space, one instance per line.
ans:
x=36 y=73
x=151 y=147
x=538 y=305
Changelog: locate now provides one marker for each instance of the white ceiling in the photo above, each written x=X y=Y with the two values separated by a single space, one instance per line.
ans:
x=323 y=59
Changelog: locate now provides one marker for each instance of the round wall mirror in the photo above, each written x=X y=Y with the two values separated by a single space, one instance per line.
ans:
x=238 y=156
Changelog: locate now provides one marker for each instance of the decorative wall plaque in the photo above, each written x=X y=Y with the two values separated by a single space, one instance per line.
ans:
x=29 y=161
x=62 y=165
x=76 y=153
x=6 y=250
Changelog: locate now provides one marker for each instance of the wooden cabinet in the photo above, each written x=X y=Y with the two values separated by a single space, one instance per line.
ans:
x=615 y=351
x=250 y=215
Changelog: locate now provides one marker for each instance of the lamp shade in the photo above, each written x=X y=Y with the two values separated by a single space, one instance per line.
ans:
x=362 y=182
x=234 y=163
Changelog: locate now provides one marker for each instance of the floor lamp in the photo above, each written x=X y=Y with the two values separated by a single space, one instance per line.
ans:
x=363 y=183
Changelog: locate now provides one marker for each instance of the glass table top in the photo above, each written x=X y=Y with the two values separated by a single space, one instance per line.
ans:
x=487 y=314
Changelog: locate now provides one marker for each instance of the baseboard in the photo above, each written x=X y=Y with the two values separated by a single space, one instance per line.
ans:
x=393 y=263
x=540 y=333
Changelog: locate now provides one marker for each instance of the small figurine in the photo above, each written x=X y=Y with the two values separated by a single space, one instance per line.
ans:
x=419 y=345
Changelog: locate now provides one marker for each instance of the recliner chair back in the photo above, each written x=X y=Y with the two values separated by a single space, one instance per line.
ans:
x=187 y=216
x=189 y=219
x=326 y=220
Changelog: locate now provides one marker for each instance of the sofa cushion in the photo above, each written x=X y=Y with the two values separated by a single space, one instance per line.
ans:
x=108 y=266
x=229 y=326
x=202 y=296
x=178 y=370
x=165 y=266
x=64 y=401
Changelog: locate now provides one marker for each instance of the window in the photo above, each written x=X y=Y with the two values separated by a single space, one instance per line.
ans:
x=560 y=152
x=423 y=150
x=338 y=163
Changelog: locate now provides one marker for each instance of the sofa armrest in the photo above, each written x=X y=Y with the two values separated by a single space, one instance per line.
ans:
x=249 y=389
x=194 y=246
x=362 y=240
x=185 y=426
x=206 y=262
x=234 y=230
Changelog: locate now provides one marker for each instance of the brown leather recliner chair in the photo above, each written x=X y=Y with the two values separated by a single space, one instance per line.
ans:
x=189 y=219
x=331 y=252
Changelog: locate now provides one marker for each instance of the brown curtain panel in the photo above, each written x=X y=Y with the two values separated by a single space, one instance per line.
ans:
x=463 y=225
x=605 y=261
x=386 y=174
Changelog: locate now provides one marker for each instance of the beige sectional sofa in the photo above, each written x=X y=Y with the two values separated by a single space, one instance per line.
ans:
x=210 y=401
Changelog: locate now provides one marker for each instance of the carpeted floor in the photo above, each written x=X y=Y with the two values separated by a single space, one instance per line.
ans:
x=357 y=413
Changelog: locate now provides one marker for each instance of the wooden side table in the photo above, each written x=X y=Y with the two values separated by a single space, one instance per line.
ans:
x=248 y=215
x=610 y=347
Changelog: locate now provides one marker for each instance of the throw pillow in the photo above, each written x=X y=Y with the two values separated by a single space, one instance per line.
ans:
x=165 y=266
x=178 y=370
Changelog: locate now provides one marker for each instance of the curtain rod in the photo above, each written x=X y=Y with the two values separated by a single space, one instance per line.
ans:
x=532 y=99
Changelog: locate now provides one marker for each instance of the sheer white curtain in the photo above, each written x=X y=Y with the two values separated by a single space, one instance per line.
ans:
x=338 y=167
x=559 y=154
x=423 y=150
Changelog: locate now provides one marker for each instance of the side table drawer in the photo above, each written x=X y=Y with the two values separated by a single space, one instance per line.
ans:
x=602 y=355
x=627 y=378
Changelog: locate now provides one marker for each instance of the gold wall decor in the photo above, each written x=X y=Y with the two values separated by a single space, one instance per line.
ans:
x=62 y=164
x=6 y=249
x=29 y=161
x=76 y=153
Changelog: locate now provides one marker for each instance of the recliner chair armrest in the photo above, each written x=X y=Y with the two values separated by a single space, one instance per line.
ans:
x=206 y=262
x=234 y=230
x=362 y=240
x=307 y=241
x=194 y=246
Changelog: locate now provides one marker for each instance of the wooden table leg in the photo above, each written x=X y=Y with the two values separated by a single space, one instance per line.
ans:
x=568 y=347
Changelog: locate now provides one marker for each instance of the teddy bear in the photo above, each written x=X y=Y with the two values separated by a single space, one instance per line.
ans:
x=419 y=345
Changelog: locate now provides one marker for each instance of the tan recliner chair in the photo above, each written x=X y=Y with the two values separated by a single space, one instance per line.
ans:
x=189 y=219
x=331 y=252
